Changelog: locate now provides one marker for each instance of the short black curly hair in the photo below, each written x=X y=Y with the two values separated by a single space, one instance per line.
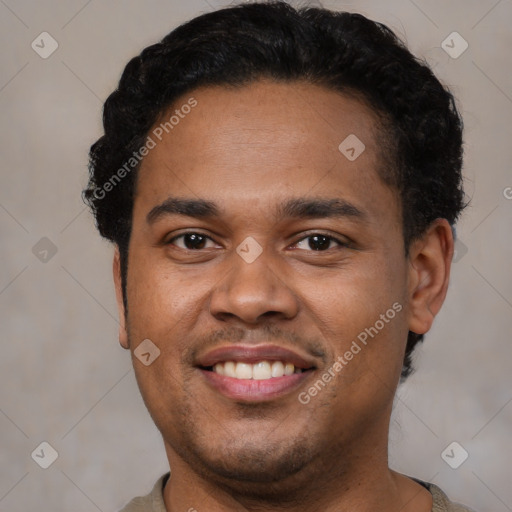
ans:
x=343 y=51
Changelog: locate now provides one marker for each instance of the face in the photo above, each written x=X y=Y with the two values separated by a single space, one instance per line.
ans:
x=269 y=270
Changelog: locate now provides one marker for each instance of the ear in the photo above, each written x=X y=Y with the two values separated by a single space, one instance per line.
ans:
x=430 y=259
x=123 y=335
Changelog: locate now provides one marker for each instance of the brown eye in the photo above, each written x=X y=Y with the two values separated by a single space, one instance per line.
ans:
x=319 y=242
x=191 y=241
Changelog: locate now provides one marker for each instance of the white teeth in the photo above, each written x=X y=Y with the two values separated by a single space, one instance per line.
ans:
x=277 y=369
x=262 y=370
x=229 y=369
x=289 y=369
x=243 y=371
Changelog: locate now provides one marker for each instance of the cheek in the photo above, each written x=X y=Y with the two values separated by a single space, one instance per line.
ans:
x=361 y=314
x=159 y=296
x=349 y=298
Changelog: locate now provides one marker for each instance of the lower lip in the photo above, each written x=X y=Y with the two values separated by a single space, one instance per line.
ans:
x=251 y=390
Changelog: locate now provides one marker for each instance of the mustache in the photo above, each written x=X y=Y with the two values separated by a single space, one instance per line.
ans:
x=263 y=334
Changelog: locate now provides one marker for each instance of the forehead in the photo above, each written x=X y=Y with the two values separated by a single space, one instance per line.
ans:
x=264 y=140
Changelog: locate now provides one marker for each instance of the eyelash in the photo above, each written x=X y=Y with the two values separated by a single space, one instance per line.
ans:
x=330 y=237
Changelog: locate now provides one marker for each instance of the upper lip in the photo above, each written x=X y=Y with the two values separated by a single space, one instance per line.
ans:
x=253 y=354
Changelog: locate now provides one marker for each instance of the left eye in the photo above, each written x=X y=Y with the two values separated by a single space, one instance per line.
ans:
x=319 y=242
x=191 y=241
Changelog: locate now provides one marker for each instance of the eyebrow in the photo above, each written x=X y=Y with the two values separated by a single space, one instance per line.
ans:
x=198 y=208
x=301 y=208
x=313 y=208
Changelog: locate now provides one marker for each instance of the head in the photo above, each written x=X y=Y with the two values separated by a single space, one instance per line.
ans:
x=231 y=130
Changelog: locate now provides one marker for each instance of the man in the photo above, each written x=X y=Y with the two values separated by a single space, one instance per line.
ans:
x=281 y=187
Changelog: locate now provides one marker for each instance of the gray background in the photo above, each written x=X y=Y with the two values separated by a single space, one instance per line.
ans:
x=63 y=377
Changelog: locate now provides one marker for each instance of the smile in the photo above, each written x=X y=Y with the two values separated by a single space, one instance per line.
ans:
x=255 y=373
x=263 y=370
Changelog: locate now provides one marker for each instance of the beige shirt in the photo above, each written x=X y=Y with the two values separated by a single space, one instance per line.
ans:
x=154 y=501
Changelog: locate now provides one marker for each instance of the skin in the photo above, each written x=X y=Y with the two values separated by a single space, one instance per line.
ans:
x=249 y=150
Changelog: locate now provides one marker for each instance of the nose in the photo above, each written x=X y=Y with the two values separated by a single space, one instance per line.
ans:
x=251 y=292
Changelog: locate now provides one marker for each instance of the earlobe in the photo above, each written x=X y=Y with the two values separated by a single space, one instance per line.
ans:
x=429 y=273
x=116 y=268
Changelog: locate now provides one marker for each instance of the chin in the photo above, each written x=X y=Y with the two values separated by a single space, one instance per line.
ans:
x=245 y=466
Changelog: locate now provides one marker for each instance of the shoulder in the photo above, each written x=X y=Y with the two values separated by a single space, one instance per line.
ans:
x=153 y=502
x=441 y=503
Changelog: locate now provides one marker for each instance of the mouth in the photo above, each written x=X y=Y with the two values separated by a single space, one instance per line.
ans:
x=255 y=373
x=263 y=370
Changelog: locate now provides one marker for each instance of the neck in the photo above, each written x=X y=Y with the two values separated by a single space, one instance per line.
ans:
x=360 y=481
